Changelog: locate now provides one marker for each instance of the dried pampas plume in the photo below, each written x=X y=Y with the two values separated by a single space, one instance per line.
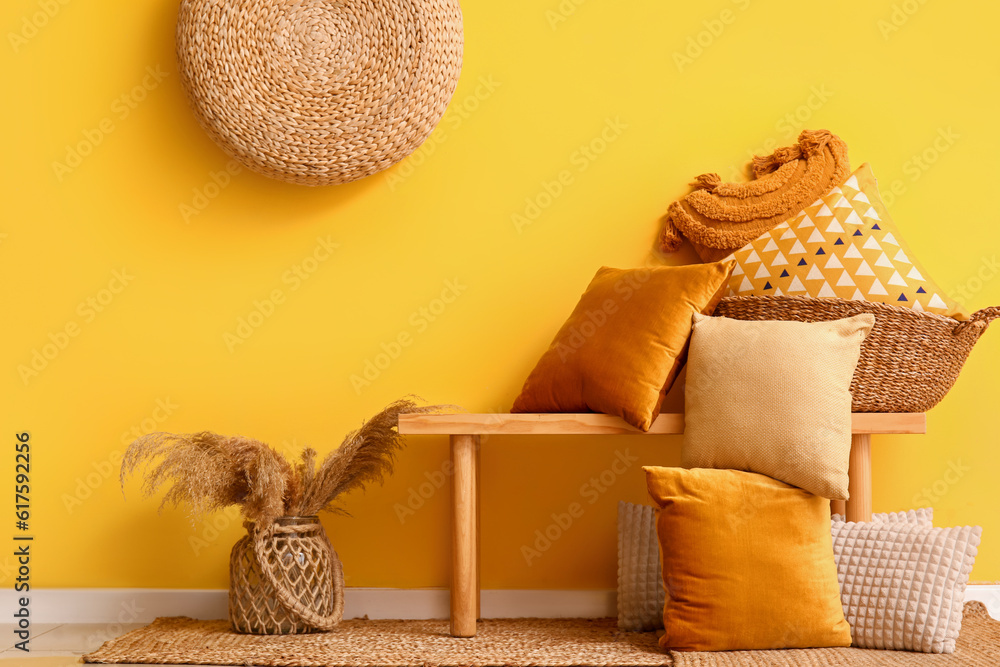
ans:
x=208 y=472
x=365 y=456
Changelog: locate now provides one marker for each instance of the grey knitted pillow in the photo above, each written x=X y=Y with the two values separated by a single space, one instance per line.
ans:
x=640 y=582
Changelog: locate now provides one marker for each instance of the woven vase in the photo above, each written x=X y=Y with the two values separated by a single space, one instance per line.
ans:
x=285 y=579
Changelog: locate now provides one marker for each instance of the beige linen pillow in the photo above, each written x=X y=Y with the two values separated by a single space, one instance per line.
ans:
x=903 y=583
x=773 y=398
x=640 y=582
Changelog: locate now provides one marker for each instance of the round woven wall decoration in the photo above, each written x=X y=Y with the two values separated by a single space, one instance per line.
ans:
x=319 y=92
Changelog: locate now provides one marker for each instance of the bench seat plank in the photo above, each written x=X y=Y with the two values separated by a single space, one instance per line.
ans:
x=600 y=424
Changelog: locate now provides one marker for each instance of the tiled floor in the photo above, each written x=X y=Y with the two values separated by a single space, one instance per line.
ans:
x=58 y=645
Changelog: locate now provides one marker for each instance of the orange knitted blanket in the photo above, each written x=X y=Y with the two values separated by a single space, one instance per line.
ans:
x=720 y=218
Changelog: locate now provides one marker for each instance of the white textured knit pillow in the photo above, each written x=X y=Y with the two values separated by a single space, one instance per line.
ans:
x=903 y=584
x=640 y=585
x=922 y=515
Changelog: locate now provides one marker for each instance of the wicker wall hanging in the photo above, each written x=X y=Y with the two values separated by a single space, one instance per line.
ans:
x=720 y=218
x=318 y=92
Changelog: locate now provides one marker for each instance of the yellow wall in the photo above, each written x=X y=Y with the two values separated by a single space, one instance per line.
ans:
x=537 y=86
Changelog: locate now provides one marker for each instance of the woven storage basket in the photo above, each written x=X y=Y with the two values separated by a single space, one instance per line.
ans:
x=908 y=362
x=318 y=92
x=285 y=579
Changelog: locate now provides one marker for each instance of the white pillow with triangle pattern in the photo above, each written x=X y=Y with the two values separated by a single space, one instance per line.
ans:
x=844 y=245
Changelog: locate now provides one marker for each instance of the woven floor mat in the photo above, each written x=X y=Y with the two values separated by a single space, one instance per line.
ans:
x=521 y=642
x=978 y=646
x=512 y=642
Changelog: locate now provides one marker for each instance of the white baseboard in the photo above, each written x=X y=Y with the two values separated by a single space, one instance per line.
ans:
x=142 y=605
x=988 y=594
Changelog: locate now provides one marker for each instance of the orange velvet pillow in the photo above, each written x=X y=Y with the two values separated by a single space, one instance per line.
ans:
x=747 y=563
x=622 y=347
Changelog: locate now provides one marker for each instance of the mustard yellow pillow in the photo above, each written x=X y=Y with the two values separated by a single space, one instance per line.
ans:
x=773 y=397
x=622 y=347
x=844 y=245
x=747 y=563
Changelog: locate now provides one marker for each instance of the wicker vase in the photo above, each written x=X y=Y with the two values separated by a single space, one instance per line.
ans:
x=285 y=579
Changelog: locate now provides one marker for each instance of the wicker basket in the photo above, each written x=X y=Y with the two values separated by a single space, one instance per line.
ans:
x=908 y=362
x=285 y=579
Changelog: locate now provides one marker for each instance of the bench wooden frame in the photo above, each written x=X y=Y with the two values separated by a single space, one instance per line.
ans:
x=465 y=431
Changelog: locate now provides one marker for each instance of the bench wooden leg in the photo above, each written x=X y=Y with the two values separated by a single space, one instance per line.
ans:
x=465 y=536
x=859 y=505
x=838 y=507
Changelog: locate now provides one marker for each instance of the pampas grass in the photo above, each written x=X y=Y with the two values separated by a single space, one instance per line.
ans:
x=208 y=472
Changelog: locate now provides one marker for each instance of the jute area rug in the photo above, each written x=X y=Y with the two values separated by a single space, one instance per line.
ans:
x=518 y=642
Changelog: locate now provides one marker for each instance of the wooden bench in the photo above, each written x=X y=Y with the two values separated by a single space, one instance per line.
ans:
x=465 y=430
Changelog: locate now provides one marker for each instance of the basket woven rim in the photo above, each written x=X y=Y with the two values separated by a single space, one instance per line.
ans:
x=871 y=305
